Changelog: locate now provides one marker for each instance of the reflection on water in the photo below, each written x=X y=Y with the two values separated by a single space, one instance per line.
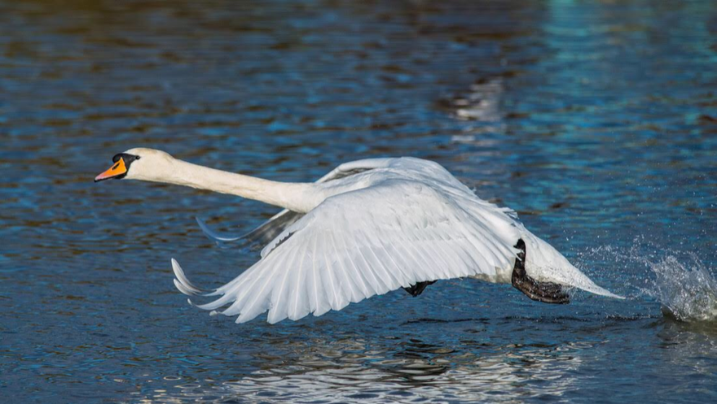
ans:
x=375 y=379
x=481 y=104
x=353 y=369
x=594 y=120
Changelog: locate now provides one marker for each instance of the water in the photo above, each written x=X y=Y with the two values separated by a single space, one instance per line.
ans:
x=685 y=287
x=596 y=121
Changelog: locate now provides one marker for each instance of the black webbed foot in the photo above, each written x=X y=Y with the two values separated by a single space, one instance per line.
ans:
x=417 y=289
x=545 y=292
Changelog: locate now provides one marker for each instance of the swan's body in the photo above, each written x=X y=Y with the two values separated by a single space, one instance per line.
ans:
x=366 y=228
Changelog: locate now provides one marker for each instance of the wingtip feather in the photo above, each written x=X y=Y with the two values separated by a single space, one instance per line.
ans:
x=181 y=281
x=212 y=235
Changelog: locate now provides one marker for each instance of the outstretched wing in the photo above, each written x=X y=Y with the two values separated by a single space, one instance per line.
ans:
x=268 y=230
x=359 y=244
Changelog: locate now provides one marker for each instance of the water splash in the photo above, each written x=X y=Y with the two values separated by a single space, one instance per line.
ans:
x=680 y=281
x=686 y=290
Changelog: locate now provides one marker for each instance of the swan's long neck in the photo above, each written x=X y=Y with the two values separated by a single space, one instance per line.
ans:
x=297 y=197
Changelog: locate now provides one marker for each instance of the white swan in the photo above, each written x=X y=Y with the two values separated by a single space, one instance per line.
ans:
x=366 y=228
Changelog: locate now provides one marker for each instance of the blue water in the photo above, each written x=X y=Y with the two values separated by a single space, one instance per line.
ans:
x=596 y=121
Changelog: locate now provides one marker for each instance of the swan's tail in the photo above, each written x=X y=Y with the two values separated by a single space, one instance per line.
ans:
x=545 y=263
x=581 y=281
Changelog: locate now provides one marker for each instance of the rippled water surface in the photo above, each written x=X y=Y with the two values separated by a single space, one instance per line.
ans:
x=595 y=120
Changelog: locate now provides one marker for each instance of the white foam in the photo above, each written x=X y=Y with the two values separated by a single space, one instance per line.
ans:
x=687 y=290
x=684 y=286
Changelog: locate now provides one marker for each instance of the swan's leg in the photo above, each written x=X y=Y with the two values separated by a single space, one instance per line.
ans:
x=417 y=289
x=545 y=292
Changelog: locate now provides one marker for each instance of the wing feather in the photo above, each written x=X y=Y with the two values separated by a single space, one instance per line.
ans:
x=359 y=244
x=356 y=270
x=359 y=290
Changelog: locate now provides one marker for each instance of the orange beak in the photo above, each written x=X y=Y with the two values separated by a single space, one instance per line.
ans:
x=116 y=170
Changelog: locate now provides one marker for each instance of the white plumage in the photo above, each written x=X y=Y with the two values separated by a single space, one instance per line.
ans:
x=402 y=222
x=366 y=228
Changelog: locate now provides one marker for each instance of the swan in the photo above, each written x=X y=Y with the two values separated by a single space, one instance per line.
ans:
x=366 y=228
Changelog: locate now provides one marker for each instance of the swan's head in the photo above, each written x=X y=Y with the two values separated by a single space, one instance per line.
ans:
x=138 y=164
